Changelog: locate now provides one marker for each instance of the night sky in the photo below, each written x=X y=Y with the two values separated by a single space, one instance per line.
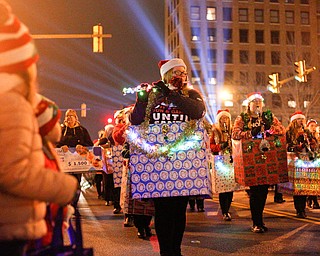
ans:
x=71 y=74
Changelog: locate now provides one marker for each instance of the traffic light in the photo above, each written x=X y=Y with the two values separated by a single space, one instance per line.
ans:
x=97 y=38
x=301 y=71
x=274 y=85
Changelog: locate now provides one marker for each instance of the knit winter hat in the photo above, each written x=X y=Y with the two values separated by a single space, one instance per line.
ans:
x=297 y=115
x=17 y=51
x=311 y=121
x=254 y=95
x=223 y=112
x=47 y=113
x=166 y=65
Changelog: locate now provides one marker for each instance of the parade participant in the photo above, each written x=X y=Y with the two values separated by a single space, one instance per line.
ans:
x=73 y=134
x=254 y=124
x=174 y=102
x=312 y=201
x=25 y=184
x=220 y=142
x=299 y=140
x=118 y=135
x=98 y=177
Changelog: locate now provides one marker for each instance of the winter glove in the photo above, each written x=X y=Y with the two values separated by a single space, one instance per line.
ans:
x=125 y=150
x=142 y=95
x=255 y=131
x=160 y=85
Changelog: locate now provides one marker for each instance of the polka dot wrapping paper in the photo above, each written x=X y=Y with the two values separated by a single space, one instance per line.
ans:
x=183 y=172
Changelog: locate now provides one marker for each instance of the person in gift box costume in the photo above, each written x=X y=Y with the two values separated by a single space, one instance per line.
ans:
x=299 y=140
x=312 y=201
x=220 y=142
x=171 y=100
x=254 y=123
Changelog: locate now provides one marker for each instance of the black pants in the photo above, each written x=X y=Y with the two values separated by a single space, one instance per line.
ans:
x=98 y=178
x=116 y=197
x=312 y=199
x=225 y=200
x=108 y=186
x=78 y=177
x=141 y=222
x=170 y=222
x=277 y=195
x=196 y=200
x=13 y=248
x=300 y=203
x=258 y=197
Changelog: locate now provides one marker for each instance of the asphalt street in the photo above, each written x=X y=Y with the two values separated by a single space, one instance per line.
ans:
x=206 y=233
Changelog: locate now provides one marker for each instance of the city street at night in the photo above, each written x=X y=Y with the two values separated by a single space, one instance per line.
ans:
x=206 y=233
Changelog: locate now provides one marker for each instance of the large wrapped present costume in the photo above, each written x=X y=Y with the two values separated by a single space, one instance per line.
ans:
x=129 y=205
x=304 y=176
x=222 y=174
x=260 y=161
x=117 y=164
x=168 y=160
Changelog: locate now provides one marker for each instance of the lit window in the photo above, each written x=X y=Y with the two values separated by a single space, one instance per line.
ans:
x=195 y=34
x=211 y=13
x=212 y=99
x=292 y=104
x=227 y=35
x=212 y=34
x=306 y=103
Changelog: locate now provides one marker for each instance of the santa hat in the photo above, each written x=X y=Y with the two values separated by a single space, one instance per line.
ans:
x=297 y=115
x=223 y=112
x=166 y=65
x=311 y=121
x=47 y=113
x=254 y=95
x=17 y=51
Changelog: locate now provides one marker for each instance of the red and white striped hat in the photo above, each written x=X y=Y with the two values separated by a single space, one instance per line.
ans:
x=297 y=115
x=254 y=95
x=17 y=51
x=47 y=113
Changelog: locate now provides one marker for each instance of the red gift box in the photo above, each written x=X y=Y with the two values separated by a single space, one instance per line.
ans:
x=254 y=167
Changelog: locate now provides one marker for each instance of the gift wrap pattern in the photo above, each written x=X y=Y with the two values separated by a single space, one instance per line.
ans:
x=222 y=174
x=304 y=176
x=184 y=173
x=117 y=164
x=252 y=167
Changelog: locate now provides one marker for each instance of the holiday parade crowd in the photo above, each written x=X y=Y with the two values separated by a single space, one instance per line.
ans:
x=160 y=155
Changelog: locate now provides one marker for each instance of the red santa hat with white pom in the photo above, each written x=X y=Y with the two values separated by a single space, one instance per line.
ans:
x=17 y=51
x=166 y=65
x=223 y=112
x=297 y=115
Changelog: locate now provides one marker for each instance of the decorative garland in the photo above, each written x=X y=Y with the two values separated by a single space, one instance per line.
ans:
x=169 y=148
x=267 y=116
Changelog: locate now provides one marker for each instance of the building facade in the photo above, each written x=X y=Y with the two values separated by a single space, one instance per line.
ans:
x=232 y=46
